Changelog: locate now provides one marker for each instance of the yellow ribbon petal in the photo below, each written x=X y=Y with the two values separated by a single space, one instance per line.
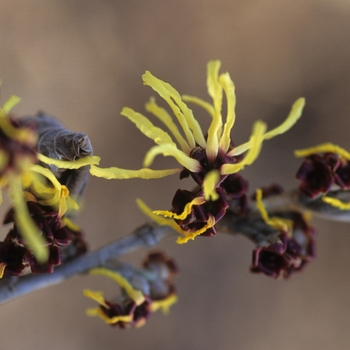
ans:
x=146 y=127
x=215 y=91
x=324 y=147
x=26 y=225
x=65 y=164
x=167 y=120
x=168 y=150
x=136 y=295
x=187 y=210
x=118 y=173
x=255 y=143
x=229 y=89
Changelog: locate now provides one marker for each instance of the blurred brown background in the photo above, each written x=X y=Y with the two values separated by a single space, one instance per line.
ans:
x=82 y=61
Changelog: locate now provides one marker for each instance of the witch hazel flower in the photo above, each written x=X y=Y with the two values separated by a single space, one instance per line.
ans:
x=289 y=249
x=208 y=157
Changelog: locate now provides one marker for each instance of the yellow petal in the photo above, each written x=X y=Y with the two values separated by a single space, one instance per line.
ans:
x=229 y=89
x=336 y=203
x=187 y=210
x=118 y=173
x=2 y=269
x=292 y=118
x=210 y=182
x=193 y=235
x=184 y=115
x=146 y=127
x=325 y=147
x=26 y=225
x=165 y=117
x=215 y=91
x=278 y=223
x=164 y=304
x=96 y=296
x=10 y=103
x=201 y=103
x=157 y=219
x=134 y=294
x=65 y=164
x=168 y=150
x=255 y=143
x=98 y=312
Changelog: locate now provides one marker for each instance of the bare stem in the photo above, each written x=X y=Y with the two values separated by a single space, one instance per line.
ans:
x=145 y=236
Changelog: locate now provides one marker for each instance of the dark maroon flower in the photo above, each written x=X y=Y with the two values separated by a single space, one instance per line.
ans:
x=139 y=314
x=199 y=215
x=316 y=174
x=11 y=255
x=342 y=175
x=289 y=253
x=48 y=267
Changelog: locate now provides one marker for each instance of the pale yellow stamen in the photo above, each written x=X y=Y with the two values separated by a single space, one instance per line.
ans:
x=210 y=182
x=187 y=210
x=334 y=202
x=134 y=294
x=278 y=223
x=325 y=147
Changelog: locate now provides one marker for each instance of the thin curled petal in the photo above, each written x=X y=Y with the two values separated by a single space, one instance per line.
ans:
x=10 y=103
x=255 y=143
x=96 y=296
x=164 y=304
x=168 y=150
x=26 y=225
x=167 y=120
x=292 y=118
x=65 y=164
x=180 y=109
x=187 y=210
x=118 y=173
x=210 y=182
x=229 y=89
x=336 y=203
x=192 y=235
x=324 y=147
x=146 y=127
x=136 y=295
x=201 y=103
x=98 y=312
x=157 y=219
x=215 y=91
x=275 y=222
